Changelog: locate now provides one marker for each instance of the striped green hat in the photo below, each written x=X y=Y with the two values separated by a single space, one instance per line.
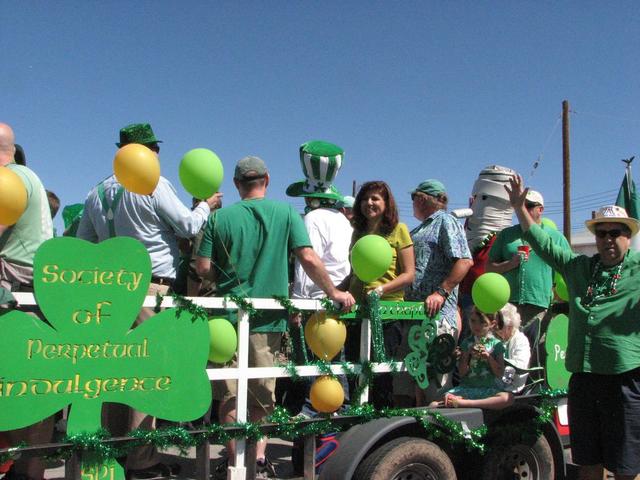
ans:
x=320 y=163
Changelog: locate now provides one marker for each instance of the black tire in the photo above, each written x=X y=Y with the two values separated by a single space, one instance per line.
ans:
x=406 y=458
x=533 y=462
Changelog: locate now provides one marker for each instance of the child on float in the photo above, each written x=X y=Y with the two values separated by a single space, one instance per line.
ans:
x=517 y=350
x=481 y=365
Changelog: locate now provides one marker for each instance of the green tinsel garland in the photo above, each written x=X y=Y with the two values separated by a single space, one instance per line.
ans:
x=323 y=366
x=377 y=336
x=287 y=305
x=245 y=305
x=301 y=345
x=527 y=433
x=297 y=345
x=183 y=304
x=435 y=424
x=328 y=305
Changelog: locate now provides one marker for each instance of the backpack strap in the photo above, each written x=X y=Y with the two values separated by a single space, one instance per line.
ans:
x=109 y=208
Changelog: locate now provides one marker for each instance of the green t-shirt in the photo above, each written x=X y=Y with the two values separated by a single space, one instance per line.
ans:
x=531 y=283
x=480 y=373
x=249 y=243
x=18 y=244
x=604 y=337
x=399 y=238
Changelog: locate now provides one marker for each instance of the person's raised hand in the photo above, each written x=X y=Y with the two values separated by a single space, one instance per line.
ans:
x=517 y=192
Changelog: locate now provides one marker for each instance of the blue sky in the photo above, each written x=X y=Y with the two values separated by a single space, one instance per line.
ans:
x=410 y=89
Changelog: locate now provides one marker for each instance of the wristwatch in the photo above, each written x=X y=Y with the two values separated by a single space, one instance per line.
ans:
x=443 y=292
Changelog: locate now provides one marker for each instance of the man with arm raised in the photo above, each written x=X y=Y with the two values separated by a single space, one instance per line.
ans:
x=603 y=351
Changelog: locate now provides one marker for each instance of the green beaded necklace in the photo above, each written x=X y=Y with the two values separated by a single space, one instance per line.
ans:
x=603 y=282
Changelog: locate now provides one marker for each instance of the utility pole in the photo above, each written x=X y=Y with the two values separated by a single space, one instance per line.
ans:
x=566 y=172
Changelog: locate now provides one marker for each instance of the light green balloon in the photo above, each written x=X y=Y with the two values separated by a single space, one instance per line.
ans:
x=371 y=257
x=201 y=173
x=223 y=340
x=490 y=292
x=548 y=223
x=561 y=287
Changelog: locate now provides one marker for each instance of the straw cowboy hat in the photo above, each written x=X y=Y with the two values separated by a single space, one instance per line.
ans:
x=613 y=214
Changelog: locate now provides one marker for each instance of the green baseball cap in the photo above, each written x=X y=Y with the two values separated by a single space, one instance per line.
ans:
x=430 y=187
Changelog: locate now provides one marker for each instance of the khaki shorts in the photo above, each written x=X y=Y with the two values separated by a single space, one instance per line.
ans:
x=261 y=391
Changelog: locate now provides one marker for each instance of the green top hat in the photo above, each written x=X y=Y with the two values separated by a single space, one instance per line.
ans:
x=320 y=163
x=137 y=133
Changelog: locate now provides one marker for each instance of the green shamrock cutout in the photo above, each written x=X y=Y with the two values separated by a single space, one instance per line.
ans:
x=427 y=350
x=556 y=347
x=89 y=353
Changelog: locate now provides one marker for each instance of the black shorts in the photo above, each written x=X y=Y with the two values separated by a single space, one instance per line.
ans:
x=604 y=418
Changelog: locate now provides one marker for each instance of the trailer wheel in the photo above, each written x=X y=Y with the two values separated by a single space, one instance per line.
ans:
x=530 y=461
x=406 y=458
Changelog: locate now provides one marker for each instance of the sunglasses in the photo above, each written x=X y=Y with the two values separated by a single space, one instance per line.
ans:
x=613 y=233
x=414 y=196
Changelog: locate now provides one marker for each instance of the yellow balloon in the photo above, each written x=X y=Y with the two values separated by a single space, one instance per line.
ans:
x=326 y=394
x=13 y=196
x=325 y=336
x=137 y=168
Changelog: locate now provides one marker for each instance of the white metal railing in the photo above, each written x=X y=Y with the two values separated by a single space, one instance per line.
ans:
x=243 y=372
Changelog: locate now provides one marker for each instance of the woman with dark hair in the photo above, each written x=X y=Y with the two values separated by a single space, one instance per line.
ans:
x=375 y=212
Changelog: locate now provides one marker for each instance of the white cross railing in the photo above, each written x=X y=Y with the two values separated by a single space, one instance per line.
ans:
x=243 y=372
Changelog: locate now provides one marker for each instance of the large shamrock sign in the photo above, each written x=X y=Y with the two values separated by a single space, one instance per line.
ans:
x=89 y=353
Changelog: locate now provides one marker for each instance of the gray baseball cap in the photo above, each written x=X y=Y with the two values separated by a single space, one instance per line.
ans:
x=249 y=168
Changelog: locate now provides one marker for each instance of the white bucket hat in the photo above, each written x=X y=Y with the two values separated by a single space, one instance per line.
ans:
x=613 y=214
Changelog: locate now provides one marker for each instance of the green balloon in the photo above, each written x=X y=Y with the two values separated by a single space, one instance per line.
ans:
x=223 y=340
x=490 y=292
x=561 y=287
x=201 y=172
x=371 y=257
x=548 y=223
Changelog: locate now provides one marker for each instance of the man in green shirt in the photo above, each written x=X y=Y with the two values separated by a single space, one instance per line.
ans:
x=529 y=277
x=603 y=352
x=18 y=245
x=246 y=249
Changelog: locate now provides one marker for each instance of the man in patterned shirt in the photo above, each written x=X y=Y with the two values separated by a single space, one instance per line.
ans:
x=442 y=258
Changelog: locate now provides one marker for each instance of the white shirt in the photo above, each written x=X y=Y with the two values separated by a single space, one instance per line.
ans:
x=156 y=220
x=518 y=352
x=330 y=233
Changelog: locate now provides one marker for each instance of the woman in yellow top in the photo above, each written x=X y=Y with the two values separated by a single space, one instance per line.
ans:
x=375 y=212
